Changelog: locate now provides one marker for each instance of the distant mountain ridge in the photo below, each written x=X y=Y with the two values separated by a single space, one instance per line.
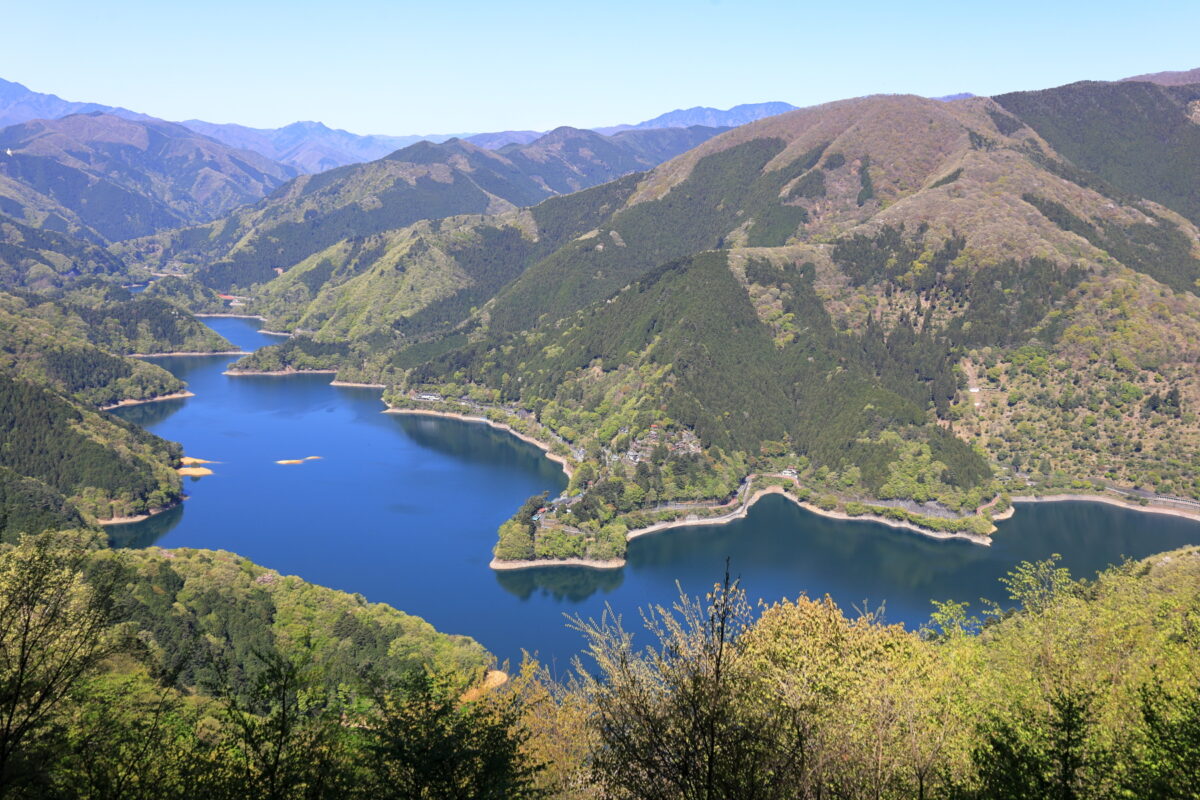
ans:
x=308 y=146
x=18 y=104
x=710 y=117
x=104 y=177
x=315 y=147
x=1176 y=78
x=426 y=180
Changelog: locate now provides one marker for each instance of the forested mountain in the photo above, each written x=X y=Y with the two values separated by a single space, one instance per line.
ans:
x=1141 y=138
x=49 y=344
x=105 y=467
x=423 y=181
x=106 y=178
x=41 y=258
x=117 y=321
x=876 y=268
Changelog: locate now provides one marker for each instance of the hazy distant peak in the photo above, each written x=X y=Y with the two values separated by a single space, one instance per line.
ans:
x=1177 y=78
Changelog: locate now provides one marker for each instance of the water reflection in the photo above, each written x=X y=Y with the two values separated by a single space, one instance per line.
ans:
x=148 y=415
x=475 y=443
x=573 y=584
x=146 y=532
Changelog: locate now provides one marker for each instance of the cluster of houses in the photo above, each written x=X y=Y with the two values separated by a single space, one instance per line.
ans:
x=678 y=442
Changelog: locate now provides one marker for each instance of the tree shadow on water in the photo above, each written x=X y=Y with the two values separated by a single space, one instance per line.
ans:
x=573 y=584
x=136 y=535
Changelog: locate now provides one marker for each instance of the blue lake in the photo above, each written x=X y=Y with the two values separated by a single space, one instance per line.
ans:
x=404 y=510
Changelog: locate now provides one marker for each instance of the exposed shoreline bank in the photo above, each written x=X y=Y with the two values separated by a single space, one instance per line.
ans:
x=533 y=563
x=538 y=443
x=159 y=398
x=278 y=372
x=191 y=353
x=140 y=517
x=233 y=316
x=1150 y=508
x=742 y=510
x=355 y=385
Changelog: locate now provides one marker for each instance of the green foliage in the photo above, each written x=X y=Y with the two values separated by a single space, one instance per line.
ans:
x=1158 y=249
x=30 y=506
x=424 y=744
x=209 y=618
x=43 y=345
x=867 y=187
x=693 y=216
x=1136 y=136
x=106 y=466
x=187 y=294
x=41 y=258
x=948 y=179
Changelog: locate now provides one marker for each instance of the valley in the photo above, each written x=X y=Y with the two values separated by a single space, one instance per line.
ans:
x=848 y=449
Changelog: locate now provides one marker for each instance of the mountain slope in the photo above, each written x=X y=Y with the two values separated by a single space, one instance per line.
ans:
x=44 y=343
x=423 y=181
x=1142 y=138
x=41 y=258
x=104 y=466
x=108 y=178
x=876 y=260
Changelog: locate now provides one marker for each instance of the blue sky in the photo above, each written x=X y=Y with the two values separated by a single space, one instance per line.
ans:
x=373 y=66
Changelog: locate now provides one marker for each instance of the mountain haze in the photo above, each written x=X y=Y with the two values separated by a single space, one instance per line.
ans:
x=20 y=104
x=1179 y=78
x=307 y=146
x=710 y=117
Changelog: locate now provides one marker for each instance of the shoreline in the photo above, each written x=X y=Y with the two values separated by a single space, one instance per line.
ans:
x=161 y=397
x=354 y=385
x=279 y=372
x=1150 y=508
x=233 y=316
x=104 y=523
x=744 y=509
x=190 y=353
x=274 y=333
x=533 y=563
x=567 y=468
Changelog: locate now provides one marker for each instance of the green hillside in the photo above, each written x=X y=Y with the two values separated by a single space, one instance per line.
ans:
x=119 y=322
x=869 y=263
x=40 y=258
x=38 y=344
x=106 y=467
x=207 y=676
x=28 y=505
x=1142 y=138
x=198 y=674
x=422 y=181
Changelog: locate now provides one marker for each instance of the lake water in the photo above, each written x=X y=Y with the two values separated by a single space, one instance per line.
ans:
x=404 y=510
